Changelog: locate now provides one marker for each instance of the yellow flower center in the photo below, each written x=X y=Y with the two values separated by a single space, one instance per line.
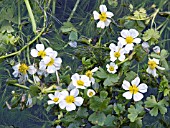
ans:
x=111 y=68
x=42 y=54
x=103 y=17
x=90 y=93
x=23 y=68
x=89 y=74
x=152 y=64
x=51 y=62
x=55 y=99
x=129 y=39
x=70 y=99
x=133 y=89
x=80 y=83
x=117 y=54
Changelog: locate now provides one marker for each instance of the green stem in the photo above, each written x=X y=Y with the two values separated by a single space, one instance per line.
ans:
x=73 y=11
x=19 y=15
x=29 y=43
x=154 y=16
x=53 y=7
x=31 y=15
x=21 y=86
x=129 y=58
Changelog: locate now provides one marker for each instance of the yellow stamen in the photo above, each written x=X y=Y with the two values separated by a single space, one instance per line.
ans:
x=129 y=39
x=23 y=68
x=111 y=68
x=51 y=62
x=70 y=99
x=117 y=54
x=55 y=99
x=80 y=83
x=89 y=74
x=133 y=89
x=152 y=64
x=103 y=17
x=42 y=54
x=90 y=93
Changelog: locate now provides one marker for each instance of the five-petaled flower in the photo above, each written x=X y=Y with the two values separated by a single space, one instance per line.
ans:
x=134 y=90
x=90 y=73
x=112 y=68
x=103 y=17
x=56 y=98
x=128 y=38
x=70 y=101
x=80 y=81
x=152 y=65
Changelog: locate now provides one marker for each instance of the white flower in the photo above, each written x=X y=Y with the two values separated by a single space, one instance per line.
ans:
x=152 y=65
x=58 y=126
x=117 y=52
x=73 y=44
x=156 y=49
x=41 y=51
x=90 y=92
x=71 y=100
x=145 y=46
x=29 y=101
x=134 y=90
x=56 y=98
x=112 y=68
x=80 y=81
x=50 y=63
x=103 y=17
x=90 y=73
x=21 y=69
x=128 y=38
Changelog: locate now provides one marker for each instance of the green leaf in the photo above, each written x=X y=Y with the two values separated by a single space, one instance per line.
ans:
x=152 y=103
x=109 y=121
x=134 y=111
x=130 y=76
x=73 y=36
x=119 y=108
x=136 y=124
x=97 y=118
x=34 y=90
x=101 y=73
x=67 y=27
x=82 y=112
x=103 y=94
x=111 y=79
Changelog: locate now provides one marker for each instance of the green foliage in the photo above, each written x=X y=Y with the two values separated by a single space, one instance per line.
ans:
x=134 y=111
x=155 y=106
x=151 y=36
x=97 y=118
x=119 y=108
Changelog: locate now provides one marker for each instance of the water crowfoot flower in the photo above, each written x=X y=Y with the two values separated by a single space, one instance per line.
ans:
x=90 y=73
x=112 y=68
x=128 y=38
x=103 y=17
x=56 y=98
x=152 y=65
x=80 y=81
x=70 y=101
x=156 y=49
x=50 y=63
x=90 y=92
x=134 y=90
x=41 y=51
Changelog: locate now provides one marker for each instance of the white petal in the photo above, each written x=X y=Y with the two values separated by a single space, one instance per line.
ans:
x=57 y=61
x=86 y=80
x=96 y=15
x=143 y=88
x=112 y=46
x=103 y=8
x=107 y=22
x=49 y=51
x=154 y=73
x=40 y=47
x=137 y=40
x=50 y=102
x=32 y=70
x=136 y=81
x=15 y=73
x=64 y=93
x=156 y=49
x=78 y=101
x=126 y=85
x=51 y=96
x=92 y=80
x=109 y=14
x=42 y=66
x=122 y=41
x=133 y=33
x=129 y=47
x=51 y=69
x=127 y=95
x=156 y=60
x=101 y=24
x=46 y=59
x=124 y=33
x=74 y=92
x=16 y=67
x=90 y=90
x=95 y=69
x=160 y=68
x=34 y=53
x=113 y=58
x=62 y=104
x=145 y=45
x=138 y=96
x=148 y=70
x=57 y=94
x=71 y=107
x=122 y=57
x=73 y=44
x=75 y=77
